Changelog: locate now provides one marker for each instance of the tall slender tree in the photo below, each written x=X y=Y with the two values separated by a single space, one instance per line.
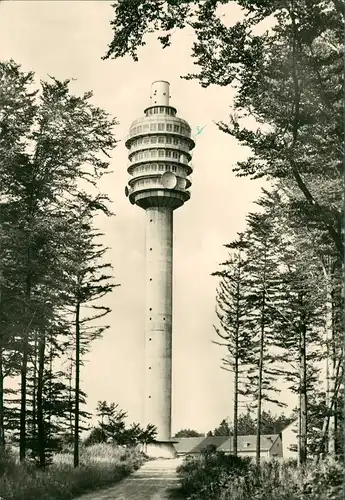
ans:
x=232 y=312
x=90 y=279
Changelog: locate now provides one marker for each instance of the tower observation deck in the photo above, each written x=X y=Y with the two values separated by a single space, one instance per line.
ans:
x=159 y=150
x=159 y=147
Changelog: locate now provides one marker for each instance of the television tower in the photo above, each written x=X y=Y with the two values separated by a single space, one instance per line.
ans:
x=159 y=146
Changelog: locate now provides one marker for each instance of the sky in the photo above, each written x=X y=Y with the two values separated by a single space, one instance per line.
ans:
x=66 y=39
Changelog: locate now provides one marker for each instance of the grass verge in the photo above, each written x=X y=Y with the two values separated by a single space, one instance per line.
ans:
x=101 y=465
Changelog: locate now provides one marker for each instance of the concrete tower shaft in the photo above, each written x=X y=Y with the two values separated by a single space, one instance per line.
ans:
x=158 y=328
x=159 y=155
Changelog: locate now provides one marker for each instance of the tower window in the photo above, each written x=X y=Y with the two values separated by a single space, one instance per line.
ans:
x=174 y=168
x=160 y=126
x=146 y=154
x=161 y=139
x=168 y=153
x=175 y=140
x=175 y=154
x=168 y=140
x=153 y=154
x=150 y=111
x=161 y=167
x=176 y=128
x=153 y=126
x=155 y=110
x=161 y=152
x=153 y=139
x=146 y=140
x=169 y=127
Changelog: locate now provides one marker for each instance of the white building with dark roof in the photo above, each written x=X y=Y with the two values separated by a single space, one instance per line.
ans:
x=270 y=445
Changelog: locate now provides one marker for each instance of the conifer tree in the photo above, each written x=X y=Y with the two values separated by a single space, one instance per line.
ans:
x=49 y=146
x=262 y=270
x=232 y=312
x=89 y=279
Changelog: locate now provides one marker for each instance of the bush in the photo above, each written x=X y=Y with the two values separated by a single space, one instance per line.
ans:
x=206 y=476
x=101 y=465
x=7 y=460
x=215 y=476
x=325 y=482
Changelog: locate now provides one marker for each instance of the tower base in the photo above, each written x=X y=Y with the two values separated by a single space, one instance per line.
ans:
x=160 y=449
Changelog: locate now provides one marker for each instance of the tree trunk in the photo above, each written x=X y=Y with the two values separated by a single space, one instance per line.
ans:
x=303 y=396
x=339 y=377
x=328 y=268
x=261 y=365
x=70 y=399
x=332 y=430
x=234 y=451
x=23 y=387
x=24 y=364
x=34 y=392
x=2 y=409
x=41 y=439
x=77 y=385
x=50 y=391
x=260 y=377
x=236 y=362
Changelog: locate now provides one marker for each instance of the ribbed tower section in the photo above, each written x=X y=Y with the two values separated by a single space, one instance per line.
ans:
x=159 y=146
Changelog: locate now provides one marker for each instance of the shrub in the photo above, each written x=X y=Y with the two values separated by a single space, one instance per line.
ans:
x=215 y=476
x=205 y=476
x=7 y=460
x=325 y=482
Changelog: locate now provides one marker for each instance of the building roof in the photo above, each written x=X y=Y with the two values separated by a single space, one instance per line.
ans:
x=292 y=424
x=224 y=443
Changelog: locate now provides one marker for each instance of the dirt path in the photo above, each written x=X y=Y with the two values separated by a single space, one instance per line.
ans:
x=155 y=480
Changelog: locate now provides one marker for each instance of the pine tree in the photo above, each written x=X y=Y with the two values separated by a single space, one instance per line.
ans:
x=232 y=313
x=262 y=269
x=89 y=281
x=49 y=146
